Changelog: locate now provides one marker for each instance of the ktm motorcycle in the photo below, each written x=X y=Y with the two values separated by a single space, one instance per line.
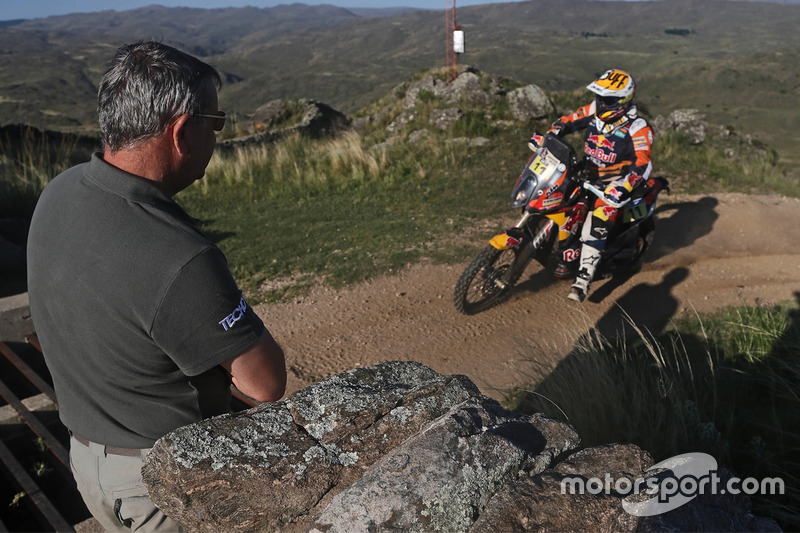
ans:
x=555 y=193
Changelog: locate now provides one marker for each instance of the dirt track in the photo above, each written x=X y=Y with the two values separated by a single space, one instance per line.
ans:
x=709 y=252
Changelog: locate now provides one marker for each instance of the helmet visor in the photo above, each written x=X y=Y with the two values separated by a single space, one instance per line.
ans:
x=608 y=102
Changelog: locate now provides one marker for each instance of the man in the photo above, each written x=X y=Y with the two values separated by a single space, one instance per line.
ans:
x=142 y=326
x=617 y=147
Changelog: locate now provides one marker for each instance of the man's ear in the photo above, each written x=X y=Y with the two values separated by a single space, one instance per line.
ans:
x=179 y=134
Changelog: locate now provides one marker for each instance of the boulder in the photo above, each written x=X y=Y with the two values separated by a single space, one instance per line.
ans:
x=442 y=478
x=399 y=447
x=529 y=103
x=444 y=118
x=541 y=503
x=469 y=87
x=269 y=116
x=277 y=119
x=690 y=122
x=536 y=503
x=392 y=443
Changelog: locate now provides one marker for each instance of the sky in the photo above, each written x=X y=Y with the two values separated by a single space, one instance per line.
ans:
x=27 y=9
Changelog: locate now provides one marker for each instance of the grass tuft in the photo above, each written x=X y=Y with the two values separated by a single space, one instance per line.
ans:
x=724 y=384
x=28 y=164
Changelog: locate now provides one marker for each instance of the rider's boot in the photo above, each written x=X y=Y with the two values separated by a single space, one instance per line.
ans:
x=590 y=257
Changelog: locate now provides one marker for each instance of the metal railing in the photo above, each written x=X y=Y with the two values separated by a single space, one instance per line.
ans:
x=34 y=454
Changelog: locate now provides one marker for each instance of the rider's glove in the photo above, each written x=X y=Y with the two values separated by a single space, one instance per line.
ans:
x=616 y=193
x=632 y=181
x=535 y=141
x=556 y=128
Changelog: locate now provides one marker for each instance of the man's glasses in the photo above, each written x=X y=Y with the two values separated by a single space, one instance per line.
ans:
x=218 y=120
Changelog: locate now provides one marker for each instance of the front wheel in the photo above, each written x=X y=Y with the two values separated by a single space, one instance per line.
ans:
x=486 y=282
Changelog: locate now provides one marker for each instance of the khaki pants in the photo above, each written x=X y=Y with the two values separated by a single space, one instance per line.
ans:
x=112 y=488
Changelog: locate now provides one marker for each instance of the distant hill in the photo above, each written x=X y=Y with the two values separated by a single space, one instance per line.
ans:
x=737 y=61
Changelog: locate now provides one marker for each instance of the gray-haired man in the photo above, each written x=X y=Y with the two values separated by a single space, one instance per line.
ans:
x=142 y=326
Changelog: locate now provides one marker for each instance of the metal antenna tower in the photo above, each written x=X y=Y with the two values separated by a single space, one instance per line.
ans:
x=450 y=26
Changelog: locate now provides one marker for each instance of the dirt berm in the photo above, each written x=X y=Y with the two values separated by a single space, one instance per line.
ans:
x=709 y=252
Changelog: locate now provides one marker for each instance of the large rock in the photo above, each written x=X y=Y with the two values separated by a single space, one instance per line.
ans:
x=391 y=444
x=529 y=103
x=278 y=119
x=537 y=503
x=690 y=122
x=398 y=447
x=468 y=87
x=442 y=478
x=541 y=503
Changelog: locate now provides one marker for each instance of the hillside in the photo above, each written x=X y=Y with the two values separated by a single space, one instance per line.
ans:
x=736 y=61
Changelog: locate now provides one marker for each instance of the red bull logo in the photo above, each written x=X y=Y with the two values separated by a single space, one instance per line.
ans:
x=504 y=241
x=598 y=155
x=608 y=212
x=600 y=141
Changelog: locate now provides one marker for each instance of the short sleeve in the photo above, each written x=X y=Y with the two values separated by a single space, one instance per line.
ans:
x=203 y=319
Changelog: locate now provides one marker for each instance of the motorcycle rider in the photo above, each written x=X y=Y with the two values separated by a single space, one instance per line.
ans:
x=617 y=147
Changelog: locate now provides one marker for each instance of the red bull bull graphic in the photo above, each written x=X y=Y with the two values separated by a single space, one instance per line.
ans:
x=608 y=212
x=601 y=141
x=600 y=149
x=504 y=241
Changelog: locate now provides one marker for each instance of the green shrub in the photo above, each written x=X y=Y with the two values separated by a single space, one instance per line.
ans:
x=678 y=31
x=473 y=124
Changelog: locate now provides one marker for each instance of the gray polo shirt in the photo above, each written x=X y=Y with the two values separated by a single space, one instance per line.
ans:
x=134 y=307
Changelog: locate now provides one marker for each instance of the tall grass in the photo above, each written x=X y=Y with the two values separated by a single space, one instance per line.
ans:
x=726 y=384
x=28 y=164
x=295 y=163
x=340 y=210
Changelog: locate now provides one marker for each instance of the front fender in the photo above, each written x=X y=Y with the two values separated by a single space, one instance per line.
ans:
x=504 y=241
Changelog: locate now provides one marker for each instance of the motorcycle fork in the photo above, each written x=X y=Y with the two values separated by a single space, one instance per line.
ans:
x=567 y=248
x=527 y=245
x=529 y=248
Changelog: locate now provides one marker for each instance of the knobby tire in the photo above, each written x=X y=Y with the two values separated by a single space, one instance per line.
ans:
x=484 y=283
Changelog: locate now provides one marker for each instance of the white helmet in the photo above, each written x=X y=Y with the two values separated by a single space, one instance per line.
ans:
x=614 y=91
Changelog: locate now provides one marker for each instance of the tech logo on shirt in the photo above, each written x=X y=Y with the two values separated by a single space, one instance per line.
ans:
x=237 y=314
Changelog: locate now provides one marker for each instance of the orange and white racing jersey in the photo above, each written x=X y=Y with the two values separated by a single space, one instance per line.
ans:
x=614 y=150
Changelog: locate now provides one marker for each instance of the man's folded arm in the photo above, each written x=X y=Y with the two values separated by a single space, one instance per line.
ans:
x=260 y=372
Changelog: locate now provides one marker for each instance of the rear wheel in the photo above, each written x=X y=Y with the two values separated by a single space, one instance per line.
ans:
x=630 y=259
x=648 y=231
x=486 y=282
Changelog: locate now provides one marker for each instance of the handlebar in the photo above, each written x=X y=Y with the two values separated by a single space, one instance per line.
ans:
x=602 y=195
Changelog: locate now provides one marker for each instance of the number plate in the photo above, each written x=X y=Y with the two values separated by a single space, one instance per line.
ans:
x=544 y=165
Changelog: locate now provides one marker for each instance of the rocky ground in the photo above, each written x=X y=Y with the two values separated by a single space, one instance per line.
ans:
x=709 y=252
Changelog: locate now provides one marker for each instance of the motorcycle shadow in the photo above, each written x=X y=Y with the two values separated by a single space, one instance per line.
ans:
x=543 y=280
x=539 y=280
x=680 y=224
x=604 y=288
